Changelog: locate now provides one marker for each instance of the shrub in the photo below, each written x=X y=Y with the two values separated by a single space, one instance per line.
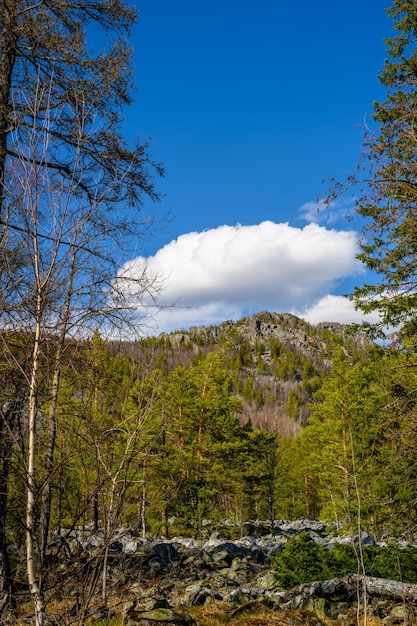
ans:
x=302 y=561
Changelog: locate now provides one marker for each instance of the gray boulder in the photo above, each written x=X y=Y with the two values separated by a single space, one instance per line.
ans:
x=164 y=616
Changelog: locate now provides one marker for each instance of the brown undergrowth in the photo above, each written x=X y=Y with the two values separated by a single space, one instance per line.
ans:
x=214 y=614
x=257 y=614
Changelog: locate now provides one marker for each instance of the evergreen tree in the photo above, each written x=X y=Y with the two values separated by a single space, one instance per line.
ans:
x=43 y=47
x=389 y=199
x=351 y=440
x=195 y=472
x=258 y=474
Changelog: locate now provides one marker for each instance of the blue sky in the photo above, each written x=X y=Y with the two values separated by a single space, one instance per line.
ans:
x=250 y=106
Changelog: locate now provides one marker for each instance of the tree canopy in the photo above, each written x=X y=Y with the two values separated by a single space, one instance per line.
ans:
x=49 y=70
x=389 y=199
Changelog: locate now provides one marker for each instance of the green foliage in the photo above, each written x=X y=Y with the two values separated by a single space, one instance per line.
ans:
x=190 y=458
x=259 y=466
x=274 y=349
x=302 y=560
x=388 y=201
x=244 y=355
x=339 y=461
x=259 y=348
x=294 y=403
x=101 y=430
x=261 y=365
x=196 y=463
x=248 y=389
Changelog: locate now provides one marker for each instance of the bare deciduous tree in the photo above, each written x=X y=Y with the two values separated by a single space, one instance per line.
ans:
x=78 y=161
x=73 y=245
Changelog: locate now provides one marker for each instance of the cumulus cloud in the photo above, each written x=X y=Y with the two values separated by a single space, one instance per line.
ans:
x=231 y=271
x=336 y=309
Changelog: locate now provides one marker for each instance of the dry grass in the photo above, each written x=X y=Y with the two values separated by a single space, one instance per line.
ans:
x=214 y=614
x=257 y=614
x=59 y=613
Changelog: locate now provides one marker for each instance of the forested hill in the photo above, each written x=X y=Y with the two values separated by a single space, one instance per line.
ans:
x=277 y=361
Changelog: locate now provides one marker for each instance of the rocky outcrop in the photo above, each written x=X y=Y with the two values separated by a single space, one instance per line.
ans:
x=285 y=328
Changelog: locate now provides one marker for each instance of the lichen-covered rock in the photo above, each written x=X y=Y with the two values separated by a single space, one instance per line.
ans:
x=155 y=617
x=266 y=580
x=198 y=595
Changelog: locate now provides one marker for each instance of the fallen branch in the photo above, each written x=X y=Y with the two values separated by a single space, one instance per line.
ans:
x=347 y=587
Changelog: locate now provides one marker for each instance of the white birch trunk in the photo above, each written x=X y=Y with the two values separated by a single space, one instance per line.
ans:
x=31 y=480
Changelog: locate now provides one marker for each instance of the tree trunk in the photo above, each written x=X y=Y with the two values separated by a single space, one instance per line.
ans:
x=347 y=587
x=344 y=589
x=142 y=510
x=271 y=469
x=7 y=60
x=31 y=481
x=164 y=522
x=8 y=23
x=45 y=514
x=4 y=480
x=96 y=513
x=32 y=568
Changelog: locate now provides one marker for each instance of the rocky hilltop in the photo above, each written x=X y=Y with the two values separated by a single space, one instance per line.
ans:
x=277 y=359
x=312 y=341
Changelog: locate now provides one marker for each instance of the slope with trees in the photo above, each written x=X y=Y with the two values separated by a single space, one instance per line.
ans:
x=279 y=360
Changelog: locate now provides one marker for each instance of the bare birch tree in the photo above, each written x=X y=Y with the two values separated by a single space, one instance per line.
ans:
x=89 y=163
x=73 y=245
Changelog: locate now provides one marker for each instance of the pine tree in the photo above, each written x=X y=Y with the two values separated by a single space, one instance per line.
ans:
x=44 y=48
x=196 y=466
x=345 y=445
x=389 y=197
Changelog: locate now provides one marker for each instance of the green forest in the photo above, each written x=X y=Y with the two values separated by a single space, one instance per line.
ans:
x=265 y=418
x=163 y=447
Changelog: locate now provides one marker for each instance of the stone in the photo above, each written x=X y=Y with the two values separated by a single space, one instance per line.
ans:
x=116 y=547
x=164 y=616
x=194 y=572
x=198 y=595
x=161 y=603
x=222 y=558
x=266 y=580
x=167 y=552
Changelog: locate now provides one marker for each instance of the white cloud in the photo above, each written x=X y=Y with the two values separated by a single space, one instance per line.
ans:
x=326 y=212
x=231 y=271
x=335 y=309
